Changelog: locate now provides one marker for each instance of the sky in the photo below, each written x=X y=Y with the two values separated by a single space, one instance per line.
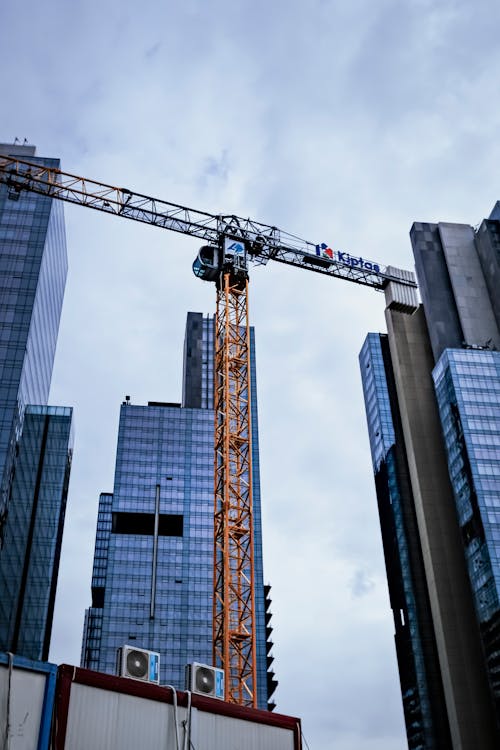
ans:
x=340 y=122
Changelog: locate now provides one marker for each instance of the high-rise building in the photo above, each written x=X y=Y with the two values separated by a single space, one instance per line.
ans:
x=432 y=395
x=33 y=531
x=35 y=440
x=152 y=579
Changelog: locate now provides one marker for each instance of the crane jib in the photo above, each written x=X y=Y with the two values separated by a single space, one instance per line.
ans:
x=260 y=242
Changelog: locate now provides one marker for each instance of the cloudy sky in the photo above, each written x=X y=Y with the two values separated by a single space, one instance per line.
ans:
x=341 y=122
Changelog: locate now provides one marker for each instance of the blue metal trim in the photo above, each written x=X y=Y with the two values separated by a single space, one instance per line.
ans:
x=47 y=708
x=50 y=670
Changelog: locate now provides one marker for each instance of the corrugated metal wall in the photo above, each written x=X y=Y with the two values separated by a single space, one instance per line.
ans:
x=215 y=732
x=100 y=719
x=105 y=720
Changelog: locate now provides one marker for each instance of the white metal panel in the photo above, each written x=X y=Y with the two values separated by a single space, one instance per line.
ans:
x=217 y=732
x=105 y=720
x=401 y=297
x=27 y=690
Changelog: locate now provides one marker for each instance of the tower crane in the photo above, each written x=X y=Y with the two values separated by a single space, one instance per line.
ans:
x=231 y=244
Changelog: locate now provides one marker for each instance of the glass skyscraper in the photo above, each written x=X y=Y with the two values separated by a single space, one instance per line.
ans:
x=468 y=395
x=432 y=396
x=421 y=685
x=153 y=566
x=33 y=531
x=33 y=268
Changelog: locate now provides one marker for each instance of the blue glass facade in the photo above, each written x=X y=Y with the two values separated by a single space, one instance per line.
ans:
x=468 y=395
x=421 y=688
x=33 y=268
x=33 y=531
x=153 y=588
x=35 y=445
x=157 y=598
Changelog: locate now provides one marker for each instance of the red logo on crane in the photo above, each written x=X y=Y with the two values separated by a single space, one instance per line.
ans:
x=325 y=251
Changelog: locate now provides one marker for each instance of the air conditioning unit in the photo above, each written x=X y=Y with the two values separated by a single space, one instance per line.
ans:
x=205 y=680
x=138 y=663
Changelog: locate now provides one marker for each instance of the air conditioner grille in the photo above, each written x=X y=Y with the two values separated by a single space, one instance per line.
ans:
x=205 y=681
x=138 y=664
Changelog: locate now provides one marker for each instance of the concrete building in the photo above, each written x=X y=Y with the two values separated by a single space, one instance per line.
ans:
x=432 y=388
x=35 y=442
x=152 y=583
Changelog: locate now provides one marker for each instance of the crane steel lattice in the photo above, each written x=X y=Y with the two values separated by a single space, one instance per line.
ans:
x=232 y=243
x=233 y=603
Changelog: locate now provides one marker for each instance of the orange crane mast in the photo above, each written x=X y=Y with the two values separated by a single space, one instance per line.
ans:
x=231 y=244
x=233 y=602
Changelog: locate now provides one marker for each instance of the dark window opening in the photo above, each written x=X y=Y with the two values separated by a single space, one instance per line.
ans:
x=98 y=596
x=170 y=524
x=164 y=403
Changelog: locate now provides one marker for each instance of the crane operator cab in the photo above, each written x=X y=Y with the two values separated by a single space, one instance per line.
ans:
x=212 y=260
x=206 y=264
